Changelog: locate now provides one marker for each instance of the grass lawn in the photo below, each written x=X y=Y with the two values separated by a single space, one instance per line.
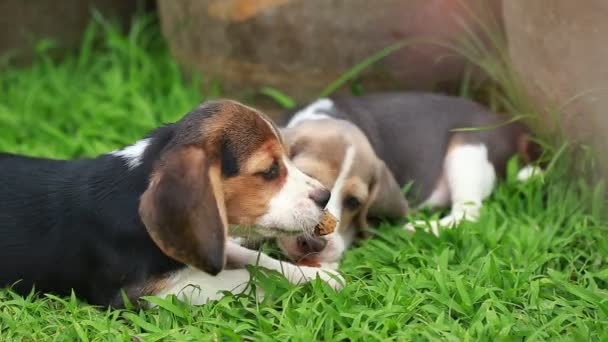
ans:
x=533 y=267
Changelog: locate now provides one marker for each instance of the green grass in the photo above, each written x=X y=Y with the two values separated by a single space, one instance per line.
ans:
x=533 y=267
x=108 y=94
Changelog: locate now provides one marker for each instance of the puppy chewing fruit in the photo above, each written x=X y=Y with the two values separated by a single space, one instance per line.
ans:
x=327 y=225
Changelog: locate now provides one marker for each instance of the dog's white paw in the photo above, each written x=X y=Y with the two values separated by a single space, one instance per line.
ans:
x=428 y=226
x=303 y=274
x=528 y=172
x=410 y=227
x=449 y=222
x=330 y=265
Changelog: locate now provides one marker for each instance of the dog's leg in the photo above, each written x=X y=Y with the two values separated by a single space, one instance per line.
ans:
x=470 y=177
x=240 y=256
x=197 y=287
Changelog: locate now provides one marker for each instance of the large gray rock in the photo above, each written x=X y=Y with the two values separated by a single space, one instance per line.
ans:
x=300 y=46
x=560 y=48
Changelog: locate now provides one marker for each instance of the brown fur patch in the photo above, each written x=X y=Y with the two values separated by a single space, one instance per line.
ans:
x=189 y=202
x=456 y=140
x=317 y=169
x=181 y=213
x=215 y=178
x=318 y=148
x=248 y=195
x=263 y=157
x=356 y=187
x=528 y=149
x=319 y=158
x=244 y=128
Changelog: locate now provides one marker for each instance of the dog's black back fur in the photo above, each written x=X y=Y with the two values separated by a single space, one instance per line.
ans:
x=75 y=225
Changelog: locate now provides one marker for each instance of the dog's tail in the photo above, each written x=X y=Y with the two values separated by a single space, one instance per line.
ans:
x=530 y=153
x=528 y=150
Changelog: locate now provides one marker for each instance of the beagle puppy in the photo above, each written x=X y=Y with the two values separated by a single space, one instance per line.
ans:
x=154 y=218
x=365 y=149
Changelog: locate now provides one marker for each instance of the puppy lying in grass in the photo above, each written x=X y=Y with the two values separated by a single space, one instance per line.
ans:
x=365 y=149
x=156 y=217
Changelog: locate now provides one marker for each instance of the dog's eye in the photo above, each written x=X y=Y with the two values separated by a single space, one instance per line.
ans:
x=271 y=173
x=352 y=203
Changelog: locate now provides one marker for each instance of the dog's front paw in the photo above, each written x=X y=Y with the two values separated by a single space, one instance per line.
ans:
x=435 y=226
x=528 y=172
x=303 y=274
x=330 y=265
x=428 y=226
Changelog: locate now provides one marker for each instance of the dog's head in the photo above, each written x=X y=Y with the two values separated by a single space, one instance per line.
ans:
x=340 y=156
x=225 y=164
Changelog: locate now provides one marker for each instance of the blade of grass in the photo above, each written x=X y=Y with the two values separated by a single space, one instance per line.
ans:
x=369 y=61
x=281 y=98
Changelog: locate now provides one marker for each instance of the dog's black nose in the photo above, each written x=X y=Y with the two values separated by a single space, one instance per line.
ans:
x=321 y=197
x=311 y=245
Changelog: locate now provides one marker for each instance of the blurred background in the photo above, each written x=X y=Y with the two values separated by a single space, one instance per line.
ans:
x=545 y=61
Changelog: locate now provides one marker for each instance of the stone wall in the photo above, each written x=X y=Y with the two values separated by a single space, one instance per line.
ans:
x=560 y=49
x=301 y=46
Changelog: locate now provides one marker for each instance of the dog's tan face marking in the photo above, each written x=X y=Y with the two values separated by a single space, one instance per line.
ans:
x=318 y=154
x=320 y=148
x=225 y=164
x=253 y=171
x=355 y=192
x=339 y=154
x=248 y=194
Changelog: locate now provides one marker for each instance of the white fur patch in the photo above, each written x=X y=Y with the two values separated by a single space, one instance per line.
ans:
x=470 y=177
x=528 y=172
x=342 y=238
x=335 y=202
x=440 y=197
x=295 y=274
x=313 y=111
x=197 y=287
x=132 y=154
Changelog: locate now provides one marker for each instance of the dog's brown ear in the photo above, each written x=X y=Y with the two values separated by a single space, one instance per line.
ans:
x=385 y=199
x=183 y=209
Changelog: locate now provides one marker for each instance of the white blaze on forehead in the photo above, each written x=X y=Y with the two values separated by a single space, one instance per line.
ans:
x=314 y=111
x=335 y=202
x=133 y=154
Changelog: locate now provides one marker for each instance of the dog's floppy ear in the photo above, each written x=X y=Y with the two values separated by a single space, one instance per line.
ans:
x=183 y=209
x=385 y=199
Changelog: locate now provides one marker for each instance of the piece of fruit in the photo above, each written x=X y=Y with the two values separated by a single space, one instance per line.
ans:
x=327 y=225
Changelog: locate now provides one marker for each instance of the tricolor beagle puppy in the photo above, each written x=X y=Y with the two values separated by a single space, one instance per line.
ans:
x=365 y=149
x=153 y=217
